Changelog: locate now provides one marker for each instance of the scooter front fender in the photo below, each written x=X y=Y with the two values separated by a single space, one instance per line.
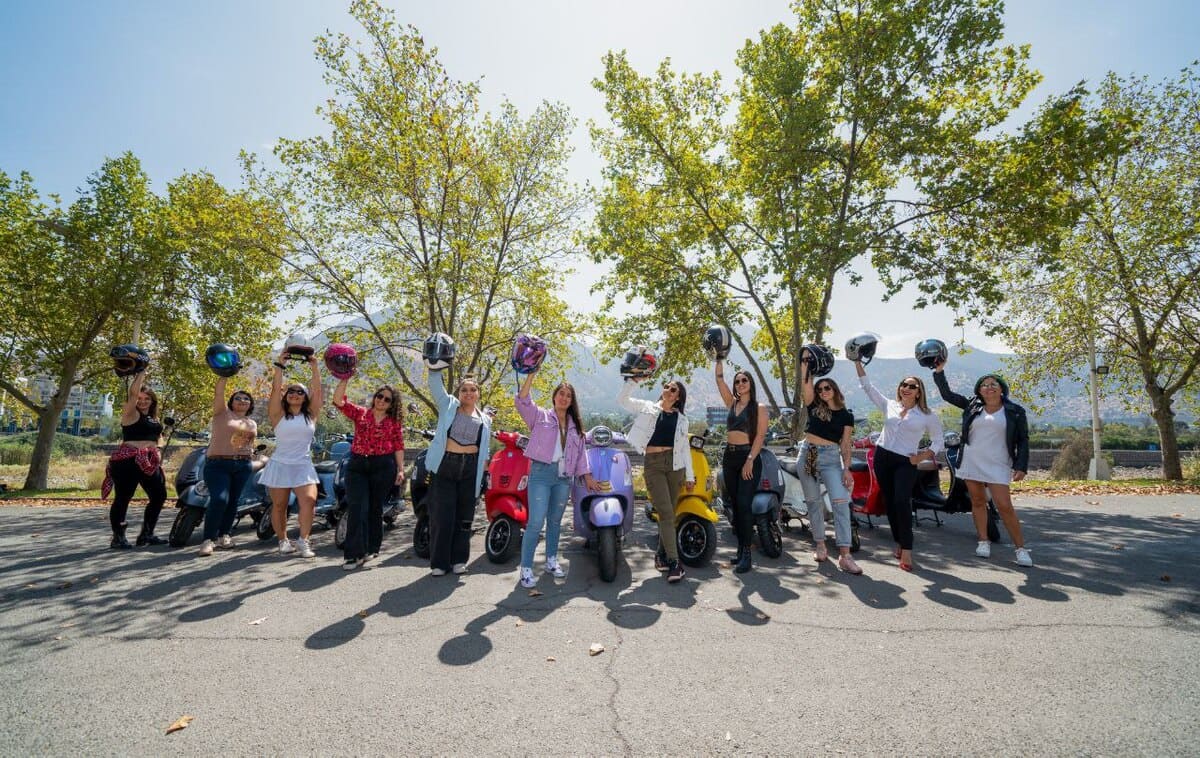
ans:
x=606 y=511
x=694 y=505
x=506 y=505
x=763 y=503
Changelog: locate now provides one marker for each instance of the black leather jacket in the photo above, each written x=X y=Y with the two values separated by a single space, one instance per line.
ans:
x=1016 y=425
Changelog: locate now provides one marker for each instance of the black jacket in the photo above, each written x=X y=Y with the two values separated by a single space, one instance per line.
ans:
x=1016 y=425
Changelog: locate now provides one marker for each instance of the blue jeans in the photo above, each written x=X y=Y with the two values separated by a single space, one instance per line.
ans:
x=829 y=466
x=547 y=500
x=225 y=479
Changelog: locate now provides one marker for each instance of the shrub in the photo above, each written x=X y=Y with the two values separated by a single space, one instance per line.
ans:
x=1075 y=457
x=1191 y=466
x=17 y=449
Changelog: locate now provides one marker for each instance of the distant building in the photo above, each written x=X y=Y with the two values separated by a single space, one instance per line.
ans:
x=84 y=408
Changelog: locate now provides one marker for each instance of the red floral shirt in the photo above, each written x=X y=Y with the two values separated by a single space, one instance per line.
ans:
x=371 y=438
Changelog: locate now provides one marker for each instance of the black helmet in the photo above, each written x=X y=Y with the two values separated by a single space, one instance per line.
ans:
x=717 y=342
x=819 y=360
x=222 y=359
x=438 y=351
x=930 y=353
x=861 y=347
x=129 y=360
x=639 y=363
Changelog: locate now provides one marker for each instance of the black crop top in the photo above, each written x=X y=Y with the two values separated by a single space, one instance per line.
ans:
x=832 y=429
x=664 y=430
x=738 y=422
x=145 y=429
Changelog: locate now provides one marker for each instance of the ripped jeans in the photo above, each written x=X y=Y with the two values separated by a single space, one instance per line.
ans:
x=829 y=466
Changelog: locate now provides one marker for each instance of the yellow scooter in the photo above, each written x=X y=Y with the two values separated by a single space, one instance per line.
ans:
x=696 y=510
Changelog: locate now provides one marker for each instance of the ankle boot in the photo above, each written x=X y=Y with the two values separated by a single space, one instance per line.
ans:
x=744 y=562
x=146 y=537
x=118 y=541
x=737 y=558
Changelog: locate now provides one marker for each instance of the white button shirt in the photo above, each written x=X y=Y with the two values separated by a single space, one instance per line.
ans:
x=903 y=434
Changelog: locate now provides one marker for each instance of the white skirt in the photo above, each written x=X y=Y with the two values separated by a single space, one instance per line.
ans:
x=279 y=474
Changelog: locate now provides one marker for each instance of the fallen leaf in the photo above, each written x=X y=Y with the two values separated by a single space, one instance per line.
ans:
x=65 y=585
x=94 y=579
x=35 y=534
x=1118 y=547
x=761 y=616
x=536 y=593
x=180 y=723
x=362 y=614
x=728 y=736
x=256 y=622
x=570 y=641
x=58 y=638
x=1092 y=502
x=1165 y=578
x=551 y=659
x=1176 y=515
x=595 y=649
x=520 y=623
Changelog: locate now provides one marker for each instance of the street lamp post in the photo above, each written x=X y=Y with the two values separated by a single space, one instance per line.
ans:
x=1098 y=468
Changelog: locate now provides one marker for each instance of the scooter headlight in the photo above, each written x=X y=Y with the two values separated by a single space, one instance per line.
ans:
x=524 y=483
x=522 y=443
x=952 y=439
x=602 y=436
x=201 y=489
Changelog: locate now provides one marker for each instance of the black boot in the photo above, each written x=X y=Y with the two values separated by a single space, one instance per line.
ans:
x=736 y=559
x=118 y=541
x=146 y=537
x=743 y=564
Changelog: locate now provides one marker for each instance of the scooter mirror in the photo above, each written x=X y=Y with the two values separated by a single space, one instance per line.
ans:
x=168 y=421
x=785 y=413
x=259 y=448
x=411 y=408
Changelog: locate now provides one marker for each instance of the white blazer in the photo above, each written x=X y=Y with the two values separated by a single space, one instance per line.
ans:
x=645 y=417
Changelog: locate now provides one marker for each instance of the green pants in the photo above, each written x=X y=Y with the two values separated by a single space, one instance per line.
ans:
x=663 y=481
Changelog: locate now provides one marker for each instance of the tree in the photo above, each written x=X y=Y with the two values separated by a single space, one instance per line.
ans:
x=868 y=129
x=181 y=270
x=1129 y=275
x=417 y=214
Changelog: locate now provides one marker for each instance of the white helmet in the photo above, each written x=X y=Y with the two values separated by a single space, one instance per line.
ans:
x=861 y=347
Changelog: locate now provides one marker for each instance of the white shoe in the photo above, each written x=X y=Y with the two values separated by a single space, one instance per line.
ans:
x=304 y=549
x=370 y=557
x=206 y=548
x=984 y=549
x=554 y=569
x=527 y=580
x=438 y=572
x=286 y=547
x=459 y=568
x=1024 y=558
x=225 y=542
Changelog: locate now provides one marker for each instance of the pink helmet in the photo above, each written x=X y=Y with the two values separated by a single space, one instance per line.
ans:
x=528 y=353
x=341 y=360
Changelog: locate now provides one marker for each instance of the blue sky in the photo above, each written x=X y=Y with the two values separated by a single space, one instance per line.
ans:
x=185 y=86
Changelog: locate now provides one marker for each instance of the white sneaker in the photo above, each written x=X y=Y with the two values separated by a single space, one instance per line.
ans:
x=459 y=568
x=1024 y=558
x=554 y=569
x=527 y=580
x=206 y=548
x=304 y=549
x=225 y=542
x=438 y=572
x=984 y=549
x=286 y=547
x=370 y=557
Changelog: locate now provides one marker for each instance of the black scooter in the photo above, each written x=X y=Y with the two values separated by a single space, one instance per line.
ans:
x=192 y=501
x=419 y=481
x=392 y=508
x=927 y=493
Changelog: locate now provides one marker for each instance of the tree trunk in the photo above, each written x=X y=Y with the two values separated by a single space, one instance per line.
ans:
x=39 y=465
x=1164 y=417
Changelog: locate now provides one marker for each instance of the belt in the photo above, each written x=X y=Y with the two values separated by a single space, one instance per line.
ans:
x=229 y=457
x=745 y=446
x=462 y=455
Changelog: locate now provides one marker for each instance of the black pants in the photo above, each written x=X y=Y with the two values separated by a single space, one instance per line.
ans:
x=897 y=476
x=369 y=481
x=452 y=510
x=741 y=491
x=126 y=476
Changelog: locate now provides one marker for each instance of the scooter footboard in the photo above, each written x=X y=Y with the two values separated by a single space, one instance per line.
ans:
x=605 y=511
x=763 y=502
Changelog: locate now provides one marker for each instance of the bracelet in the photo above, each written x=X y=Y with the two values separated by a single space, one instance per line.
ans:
x=277 y=364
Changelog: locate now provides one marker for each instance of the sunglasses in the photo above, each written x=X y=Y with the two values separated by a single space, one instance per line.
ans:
x=909 y=386
x=989 y=386
x=241 y=399
x=670 y=389
x=824 y=388
x=295 y=391
x=383 y=397
x=743 y=380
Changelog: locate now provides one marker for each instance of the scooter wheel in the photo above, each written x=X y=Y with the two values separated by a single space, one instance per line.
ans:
x=421 y=537
x=185 y=523
x=770 y=538
x=339 y=531
x=500 y=542
x=264 y=530
x=697 y=541
x=855 y=545
x=993 y=523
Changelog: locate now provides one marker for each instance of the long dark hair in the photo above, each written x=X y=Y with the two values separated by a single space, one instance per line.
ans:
x=680 y=398
x=573 y=408
x=395 y=412
x=287 y=411
x=153 y=411
x=751 y=405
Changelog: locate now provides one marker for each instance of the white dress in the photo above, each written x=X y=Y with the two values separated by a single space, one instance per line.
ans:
x=291 y=463
x=985 y=456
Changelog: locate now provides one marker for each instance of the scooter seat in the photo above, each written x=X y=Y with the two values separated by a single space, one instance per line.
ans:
x=325 y=467
x=858 y=466
x=790 y=467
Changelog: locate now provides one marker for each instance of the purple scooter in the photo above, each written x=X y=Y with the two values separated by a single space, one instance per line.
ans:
x=604 y=518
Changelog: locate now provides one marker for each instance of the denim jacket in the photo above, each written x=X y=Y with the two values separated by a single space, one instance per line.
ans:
x=447 y=407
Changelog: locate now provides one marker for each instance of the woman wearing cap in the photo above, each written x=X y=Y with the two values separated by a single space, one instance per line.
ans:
x=660 y=432
x=293 y=413
x=227 y=463
x=907 y=420
x=557 y=454
x=746 y=432
x=457 y=457
x=825 y=453
x=136 y=462
x=376 y=465
x=995 y=453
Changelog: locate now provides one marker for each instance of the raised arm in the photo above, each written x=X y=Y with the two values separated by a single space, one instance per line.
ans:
x=275 y=402
x=219 y=396
x=339 y=393
x=949 y=395
x=806 y=385
x=626 y=400
x=524 y=403
x=129 y=412
x=865 y=382
x=437 y=388
x=316 y=394
x=722 y=387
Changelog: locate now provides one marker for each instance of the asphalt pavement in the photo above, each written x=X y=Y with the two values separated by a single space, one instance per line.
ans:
x=1095 y=651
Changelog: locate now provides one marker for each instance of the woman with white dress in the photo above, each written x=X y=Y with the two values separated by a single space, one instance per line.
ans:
x=995 y=436
x=293 y=414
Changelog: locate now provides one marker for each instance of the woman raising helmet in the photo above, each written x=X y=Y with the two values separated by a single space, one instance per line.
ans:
x=136 y=461
x=746 y=432
x=227 y=464
x=293 y=413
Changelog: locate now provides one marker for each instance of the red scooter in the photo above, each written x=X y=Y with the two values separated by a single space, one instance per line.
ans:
x=506 y=497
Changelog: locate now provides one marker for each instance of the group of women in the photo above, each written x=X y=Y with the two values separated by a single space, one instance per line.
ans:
x=994 y=429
